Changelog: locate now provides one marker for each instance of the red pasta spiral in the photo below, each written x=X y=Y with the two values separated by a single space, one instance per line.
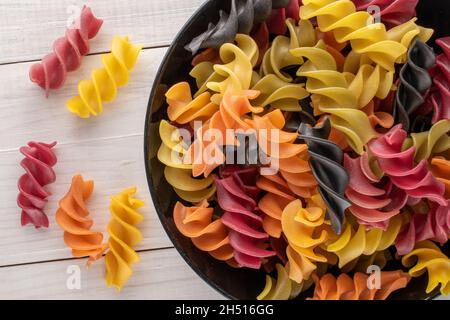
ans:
x=392 y=12
x=416 y=180
x=237 y=195
x=51 y=72
x=38 y=162
x=277 y=20
x=374 y=200
x=438 y=100
x=434 y=225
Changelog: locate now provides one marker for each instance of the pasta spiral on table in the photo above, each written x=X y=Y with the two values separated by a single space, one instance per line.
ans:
x=326 y=163
x=433 y=225
x=74 y=218
x=331 y=95
x=38 y=162
x=414 y=82
x=417 y=181
x=123 y=236
x=346 y=288
x=347 y=24
x=427 y=257
x=51 y=72
x=207 y=235
x=177 y=172
x=105 y=82
x=355 y=242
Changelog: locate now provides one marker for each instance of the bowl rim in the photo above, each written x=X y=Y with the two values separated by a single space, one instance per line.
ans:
x=192 y=19
x=147 y=142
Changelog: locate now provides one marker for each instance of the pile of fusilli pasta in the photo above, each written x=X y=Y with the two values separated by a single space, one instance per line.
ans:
x=360 y=109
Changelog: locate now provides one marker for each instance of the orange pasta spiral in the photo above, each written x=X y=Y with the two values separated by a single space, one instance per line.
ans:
x=183 y=109
x=207 y=235
x=210 y=136
x=346 y=288
x=73 y=217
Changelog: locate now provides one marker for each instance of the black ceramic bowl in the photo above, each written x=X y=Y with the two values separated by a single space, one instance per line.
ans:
x=232 y=283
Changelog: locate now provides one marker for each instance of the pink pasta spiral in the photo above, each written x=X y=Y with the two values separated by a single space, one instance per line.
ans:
x=237 y=195
x=434 y=225
x=374 y=200
x=51 y=72
x=438 y=100
x=392 y=12
x=38 y=162
x=416 y=180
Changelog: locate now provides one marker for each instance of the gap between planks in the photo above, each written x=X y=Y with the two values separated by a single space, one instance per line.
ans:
x=161 y=274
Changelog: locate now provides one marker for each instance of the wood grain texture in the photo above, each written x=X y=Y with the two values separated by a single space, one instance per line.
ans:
x=114 y=164
x=161 y=274
x=29 y=27
x=26 y=114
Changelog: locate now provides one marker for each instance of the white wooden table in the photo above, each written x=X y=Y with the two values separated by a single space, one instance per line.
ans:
x=107 y=149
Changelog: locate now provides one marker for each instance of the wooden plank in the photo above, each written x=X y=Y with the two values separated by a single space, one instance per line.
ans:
x=161 y=274
x=29 y=27
x=26 y=114
x=113 y=163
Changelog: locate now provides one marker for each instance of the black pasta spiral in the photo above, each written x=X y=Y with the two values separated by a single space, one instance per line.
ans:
x=248 y=153
x=326 y=159
x=414 y=82
x=243 y=16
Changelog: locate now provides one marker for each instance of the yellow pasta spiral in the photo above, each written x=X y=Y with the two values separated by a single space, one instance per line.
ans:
x=279 y=56
x=305 y=229
x=123 y=236
x=183 y=109
x=236 y=72
x=177 y=172
x=431 y=142
x=347 y=24
x=105 y=82
x=427 y=257
x=332 y=94
x=279 y=94
x=282 y=288
x=406 y=33
x=352 y=243
x=365 y=80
